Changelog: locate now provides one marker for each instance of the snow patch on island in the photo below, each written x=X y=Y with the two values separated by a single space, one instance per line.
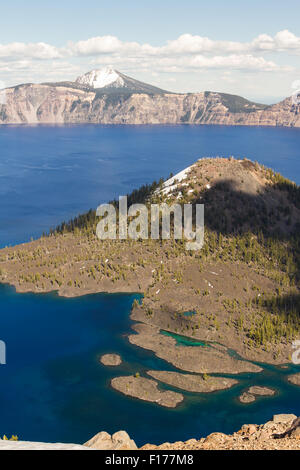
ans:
x=171 y=184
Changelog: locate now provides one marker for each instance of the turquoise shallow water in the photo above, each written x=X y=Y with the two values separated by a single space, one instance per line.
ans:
x=185 y=341
x=53 y=387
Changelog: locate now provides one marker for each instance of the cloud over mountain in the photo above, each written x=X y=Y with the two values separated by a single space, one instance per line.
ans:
x=186 y=54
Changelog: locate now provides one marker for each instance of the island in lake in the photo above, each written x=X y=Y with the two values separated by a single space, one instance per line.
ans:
x=239 y=293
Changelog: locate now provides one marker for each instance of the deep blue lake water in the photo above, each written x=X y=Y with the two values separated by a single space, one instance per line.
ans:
x=53 y=387
x=48 y=174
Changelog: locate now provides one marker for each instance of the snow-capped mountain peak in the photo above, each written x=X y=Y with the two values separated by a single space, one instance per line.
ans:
x=106 y=77
x=110 y=81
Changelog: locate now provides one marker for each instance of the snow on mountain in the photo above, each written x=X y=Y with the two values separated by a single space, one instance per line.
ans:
x=171 y=184
x=112 y=81
x=107 y=77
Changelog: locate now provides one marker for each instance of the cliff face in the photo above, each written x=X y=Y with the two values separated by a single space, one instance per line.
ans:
x=45 y=104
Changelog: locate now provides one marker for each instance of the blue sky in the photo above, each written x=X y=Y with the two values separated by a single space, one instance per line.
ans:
x=263 y=70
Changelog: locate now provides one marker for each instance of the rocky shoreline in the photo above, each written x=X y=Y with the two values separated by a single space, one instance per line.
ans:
x=203 y=360
x=281 y=433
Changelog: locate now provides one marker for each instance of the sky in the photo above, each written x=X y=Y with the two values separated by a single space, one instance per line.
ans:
x=248 y=48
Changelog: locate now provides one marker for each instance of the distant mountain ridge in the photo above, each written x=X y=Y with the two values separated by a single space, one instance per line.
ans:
x=107 y=96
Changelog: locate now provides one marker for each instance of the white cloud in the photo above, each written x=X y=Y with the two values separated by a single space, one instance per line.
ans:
x=39 y=50
x=187 y=62
x=187 y=55
x=35 y=71
x=287 y=41
x=108 y=45
x=189 y=44
x=186 y=44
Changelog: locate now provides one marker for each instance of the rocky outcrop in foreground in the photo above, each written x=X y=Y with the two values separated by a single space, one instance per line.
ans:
x=282 y=433
x=102 y=441
x=118 y=441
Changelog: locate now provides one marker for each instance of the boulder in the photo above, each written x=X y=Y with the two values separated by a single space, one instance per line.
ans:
x=295 y=433
x=284 y=418
x=118 y=441
x=292 y=432
x=248 y=429
x=121 y=441
x=214 y=440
